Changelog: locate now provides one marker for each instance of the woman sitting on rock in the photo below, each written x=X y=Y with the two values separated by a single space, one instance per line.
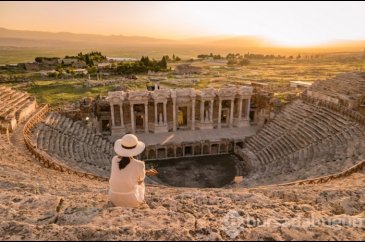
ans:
x=126 y=182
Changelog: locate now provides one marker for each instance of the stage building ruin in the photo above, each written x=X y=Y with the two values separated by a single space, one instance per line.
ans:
x=210 y=118
x=166 y=110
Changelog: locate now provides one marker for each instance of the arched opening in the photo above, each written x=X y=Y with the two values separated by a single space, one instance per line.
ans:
x=230 y=146
x=240 y=144
x=223 y=148
x=117 y=117
x=206 y=150
x=179 y=152
x=171 y=152
x=105 y=125
x=252 y=115
x=139 y=116
x=144 y=155
x=161 y=153
x=197 y=150
x=151 y=154
x=182 y=117
x=188 y=151
x=214 y=149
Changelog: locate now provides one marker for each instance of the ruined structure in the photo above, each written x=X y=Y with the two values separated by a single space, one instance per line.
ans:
x=166 y=110
x=307 y=139
x=15 y=107
x=186 y=69
x=73 y=144
x=346 y=89
x=322 y=132
x=210 y=121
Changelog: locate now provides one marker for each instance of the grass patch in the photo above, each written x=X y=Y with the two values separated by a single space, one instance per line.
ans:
x=60 y=92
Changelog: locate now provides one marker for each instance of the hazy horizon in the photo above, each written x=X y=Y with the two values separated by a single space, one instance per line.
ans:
x=289 y=24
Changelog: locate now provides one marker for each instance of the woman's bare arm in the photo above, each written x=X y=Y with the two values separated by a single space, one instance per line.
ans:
x=151 y=172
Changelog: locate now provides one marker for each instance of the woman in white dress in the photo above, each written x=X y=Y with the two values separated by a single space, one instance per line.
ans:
x=126 y=181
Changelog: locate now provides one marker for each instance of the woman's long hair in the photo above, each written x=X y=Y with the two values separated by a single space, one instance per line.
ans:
x=123 y=162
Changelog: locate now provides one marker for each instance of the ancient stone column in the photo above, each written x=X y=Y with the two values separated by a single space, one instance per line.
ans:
x=121 y=115
x=133 y=122
x=248 y=106
x=112 y=112
x=231 y=113
x=174 y=114
x=202 y=111
x=156 y=117
x=165 y=112
x=193 y=114
x=240 y=109
x=220 y=114
x=146 y=117
x=211 y=110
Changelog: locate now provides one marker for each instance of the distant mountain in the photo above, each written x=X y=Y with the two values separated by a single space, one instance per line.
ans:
x=49 y=44
x=39 y=38
x=23 y=38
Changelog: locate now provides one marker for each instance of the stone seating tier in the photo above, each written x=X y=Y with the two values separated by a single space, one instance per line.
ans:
x=301 y=136
x=74 y=144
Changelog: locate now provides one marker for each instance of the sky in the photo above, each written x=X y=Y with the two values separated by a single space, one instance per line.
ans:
x=283 y=23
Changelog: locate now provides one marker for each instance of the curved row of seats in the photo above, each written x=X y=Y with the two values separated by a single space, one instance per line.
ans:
x=74 y=144
x=304 y=137
x=15 y=106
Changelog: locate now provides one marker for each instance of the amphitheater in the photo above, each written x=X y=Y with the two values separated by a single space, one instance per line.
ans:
x=305 y=165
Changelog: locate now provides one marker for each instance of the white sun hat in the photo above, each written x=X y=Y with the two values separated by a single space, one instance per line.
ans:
x=128 y=146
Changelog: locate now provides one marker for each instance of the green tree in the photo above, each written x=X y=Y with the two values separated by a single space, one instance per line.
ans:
x=244 y=62
x=232 y=62
x=38 y=59
x=163 y=62
x=145 y=60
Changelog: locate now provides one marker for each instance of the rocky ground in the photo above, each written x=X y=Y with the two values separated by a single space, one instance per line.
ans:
x=41 y=204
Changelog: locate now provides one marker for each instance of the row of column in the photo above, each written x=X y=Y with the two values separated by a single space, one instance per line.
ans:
x=145 y=119
x=240 y=105
x=206 y=116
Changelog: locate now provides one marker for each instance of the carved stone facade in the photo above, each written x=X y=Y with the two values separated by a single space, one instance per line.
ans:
x=165 y=110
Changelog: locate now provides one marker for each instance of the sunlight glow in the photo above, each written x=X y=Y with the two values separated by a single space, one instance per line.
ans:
x=284 y=23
